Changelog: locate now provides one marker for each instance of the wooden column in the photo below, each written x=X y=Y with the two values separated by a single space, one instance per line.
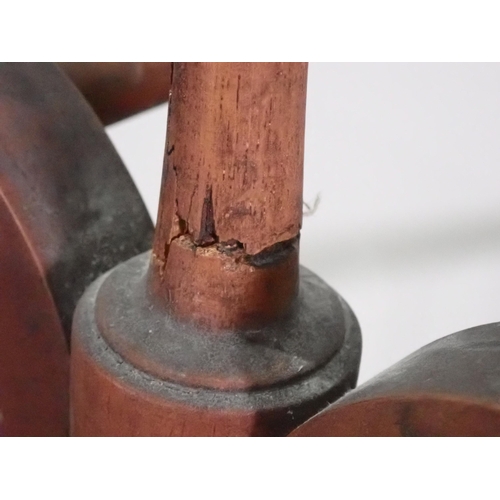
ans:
x=226 y=246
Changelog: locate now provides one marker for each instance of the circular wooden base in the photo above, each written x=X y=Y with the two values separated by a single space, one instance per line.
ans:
x=138 y=372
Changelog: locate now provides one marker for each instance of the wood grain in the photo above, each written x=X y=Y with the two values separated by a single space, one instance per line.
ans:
x=231 y=194
x=234 y=157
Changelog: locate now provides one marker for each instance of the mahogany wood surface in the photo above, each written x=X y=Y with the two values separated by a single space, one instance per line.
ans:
x=68 y=212
x=231 y=201
x=216 y=332
x=117 y=90
x=449 y=387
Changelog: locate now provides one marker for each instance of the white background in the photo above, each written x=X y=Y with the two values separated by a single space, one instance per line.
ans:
x=406 y=160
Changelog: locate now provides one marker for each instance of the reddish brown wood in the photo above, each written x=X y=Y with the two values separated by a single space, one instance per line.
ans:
x=234 y=162
x=137 y=372
x=217 y=287
x=119 y=90
x=215 y=332
x=232 y=192
x=68 y=212
x=113 y=398
x=447 y=388
x=34 y=362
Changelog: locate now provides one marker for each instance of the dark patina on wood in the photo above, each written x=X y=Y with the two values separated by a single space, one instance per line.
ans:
x=69 y=211
x=218 y=331
x=447 y=388
x=117 y=90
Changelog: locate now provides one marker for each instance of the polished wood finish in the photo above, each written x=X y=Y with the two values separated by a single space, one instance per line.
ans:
x=34 y=361
x=447 y=388
x=68 y=212
x=117 y=90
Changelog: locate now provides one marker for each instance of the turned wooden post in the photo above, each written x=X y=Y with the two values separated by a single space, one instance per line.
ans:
x=226 y=246
x=216 y=332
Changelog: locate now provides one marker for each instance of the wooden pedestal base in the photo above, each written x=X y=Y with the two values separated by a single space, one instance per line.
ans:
x=136 y=371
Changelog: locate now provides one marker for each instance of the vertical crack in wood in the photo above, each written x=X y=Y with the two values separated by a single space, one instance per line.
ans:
x=207 y=234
